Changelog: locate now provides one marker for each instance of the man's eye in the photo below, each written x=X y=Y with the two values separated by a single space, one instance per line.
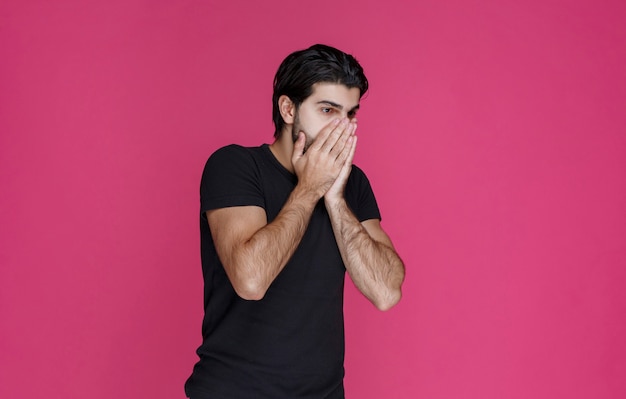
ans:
x=327 y=110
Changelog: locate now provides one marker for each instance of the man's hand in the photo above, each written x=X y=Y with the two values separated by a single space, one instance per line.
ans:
x=337 y=189
x=325 y=160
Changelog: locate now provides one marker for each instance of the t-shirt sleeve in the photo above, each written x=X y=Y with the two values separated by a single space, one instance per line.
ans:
x=360 y=196
x=230 y=178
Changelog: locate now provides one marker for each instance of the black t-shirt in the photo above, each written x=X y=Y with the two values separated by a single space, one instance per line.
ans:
x=290 y=344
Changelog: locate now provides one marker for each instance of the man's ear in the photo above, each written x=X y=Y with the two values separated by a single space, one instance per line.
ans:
x=287 y=109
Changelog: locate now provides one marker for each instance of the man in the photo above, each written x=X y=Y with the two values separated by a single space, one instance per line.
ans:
x=280 y=226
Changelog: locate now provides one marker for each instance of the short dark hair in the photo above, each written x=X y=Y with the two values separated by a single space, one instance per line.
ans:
x=298 y=73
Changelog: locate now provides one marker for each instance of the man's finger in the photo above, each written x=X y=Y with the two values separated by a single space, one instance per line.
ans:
x=324 y=135
x=336 y=135
x=341 y=145
x=298 y=147
x=347 y=152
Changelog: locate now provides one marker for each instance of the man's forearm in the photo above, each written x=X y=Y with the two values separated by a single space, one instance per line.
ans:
x=374 y=266
x=262 y=257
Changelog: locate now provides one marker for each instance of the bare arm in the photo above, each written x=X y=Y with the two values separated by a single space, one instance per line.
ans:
x=369 y=256
x=366 y=250
x=252 y=251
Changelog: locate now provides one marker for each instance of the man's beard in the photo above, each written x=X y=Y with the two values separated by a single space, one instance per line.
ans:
x=296 y=129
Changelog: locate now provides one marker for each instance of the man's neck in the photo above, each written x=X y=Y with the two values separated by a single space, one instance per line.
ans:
x=282 y=148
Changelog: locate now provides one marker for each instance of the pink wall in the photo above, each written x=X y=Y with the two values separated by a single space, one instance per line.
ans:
x=494 y=135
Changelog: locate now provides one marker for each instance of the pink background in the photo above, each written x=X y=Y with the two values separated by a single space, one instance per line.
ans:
x=494 y=136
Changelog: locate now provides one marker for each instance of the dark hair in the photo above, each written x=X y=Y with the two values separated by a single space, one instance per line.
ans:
x=298 y=73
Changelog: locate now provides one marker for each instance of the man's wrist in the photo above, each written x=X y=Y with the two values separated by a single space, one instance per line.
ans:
x=334 y=201
x=305 y=194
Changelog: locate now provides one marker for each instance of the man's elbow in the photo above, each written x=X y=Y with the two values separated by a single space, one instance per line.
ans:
x=250 y=290
x=392 y=293
x=247 y=284
x=389 y=301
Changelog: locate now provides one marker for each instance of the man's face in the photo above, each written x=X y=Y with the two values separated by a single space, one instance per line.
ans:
x=329 y=101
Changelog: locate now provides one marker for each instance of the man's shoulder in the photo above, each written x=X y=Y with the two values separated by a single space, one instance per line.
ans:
x=234 y=153
x=236 y=149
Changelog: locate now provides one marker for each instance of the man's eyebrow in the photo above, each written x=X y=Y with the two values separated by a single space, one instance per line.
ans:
x=338 y=106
